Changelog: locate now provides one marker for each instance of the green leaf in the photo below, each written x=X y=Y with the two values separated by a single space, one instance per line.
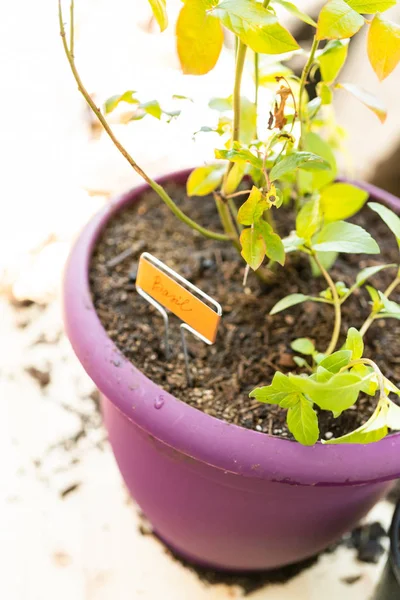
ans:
x=303 y=422
x=274 y=248
x=152 y=108
x=374 y=295
x=292 y=242
x=337 y=394
x=298 y=160
x=389 y=306
x=321 y=375
x=276 y=392
x=288 y=301
x=336 y=361
x=300 y=362
x=366 y=98
x=371 y=384
x=204 y=180
x=337 y=21
x=371 y=6
x=255 y=26
x=239 y=154
x=368 y=272
x=221 y=104
x=325 y=93
x=354 y=343
x=160 y=12
x=199 y=38
x=388 y=217
x=304 y=346
x=372 y=431
x=341 y=236
x=340 y=201
x=292 y=8
x=317 y=145
x=385 y=315
x=308 y=219
x=253 y=247
x=235 y=177
x=112 y=103
x=383 y=46
x=332 y=59
x=252 y=210
x=290 y=401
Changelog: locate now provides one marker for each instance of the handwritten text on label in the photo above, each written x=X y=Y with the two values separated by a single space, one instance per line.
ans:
x=180 y=301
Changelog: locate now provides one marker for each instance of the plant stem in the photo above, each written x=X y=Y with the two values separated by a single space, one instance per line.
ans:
x=72 y=28
x=236 y=194
x=390 y=289
x=256 y=79
x=303 y=83
x=336 y=305
x=239 y=65
x=368 y=322
x=227 y=222
x=155 y=186
x=240 y=58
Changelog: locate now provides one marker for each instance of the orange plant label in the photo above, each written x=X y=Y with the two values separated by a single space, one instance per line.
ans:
x=180 y=301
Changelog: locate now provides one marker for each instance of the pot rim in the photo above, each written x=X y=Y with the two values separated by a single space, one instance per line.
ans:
x=190 y=431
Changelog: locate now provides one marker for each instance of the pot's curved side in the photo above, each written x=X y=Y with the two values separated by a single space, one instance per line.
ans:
x=223 y=495
x=225 y=520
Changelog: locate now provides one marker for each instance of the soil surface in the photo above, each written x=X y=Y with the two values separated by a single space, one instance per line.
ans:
x=251 y=345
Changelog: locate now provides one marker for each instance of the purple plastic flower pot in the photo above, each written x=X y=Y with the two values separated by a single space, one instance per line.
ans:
x=219 y=494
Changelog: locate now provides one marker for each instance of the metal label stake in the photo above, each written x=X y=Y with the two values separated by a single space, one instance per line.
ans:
x=161 y=286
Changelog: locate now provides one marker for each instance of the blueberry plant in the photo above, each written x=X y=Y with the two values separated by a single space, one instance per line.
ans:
x=288 y=154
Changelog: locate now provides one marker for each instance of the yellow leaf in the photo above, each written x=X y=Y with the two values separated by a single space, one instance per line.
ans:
x=204 y=180
x=255 y=26
x=253 y=247
x=234 y=177
x=160 y=12
x=199 y=38
x=383 y=46
x=337 y=21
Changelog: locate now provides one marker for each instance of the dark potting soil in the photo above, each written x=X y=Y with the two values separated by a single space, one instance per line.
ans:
x=251 y=345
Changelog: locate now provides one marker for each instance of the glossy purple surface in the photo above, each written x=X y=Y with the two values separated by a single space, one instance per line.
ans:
x=218 y=493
